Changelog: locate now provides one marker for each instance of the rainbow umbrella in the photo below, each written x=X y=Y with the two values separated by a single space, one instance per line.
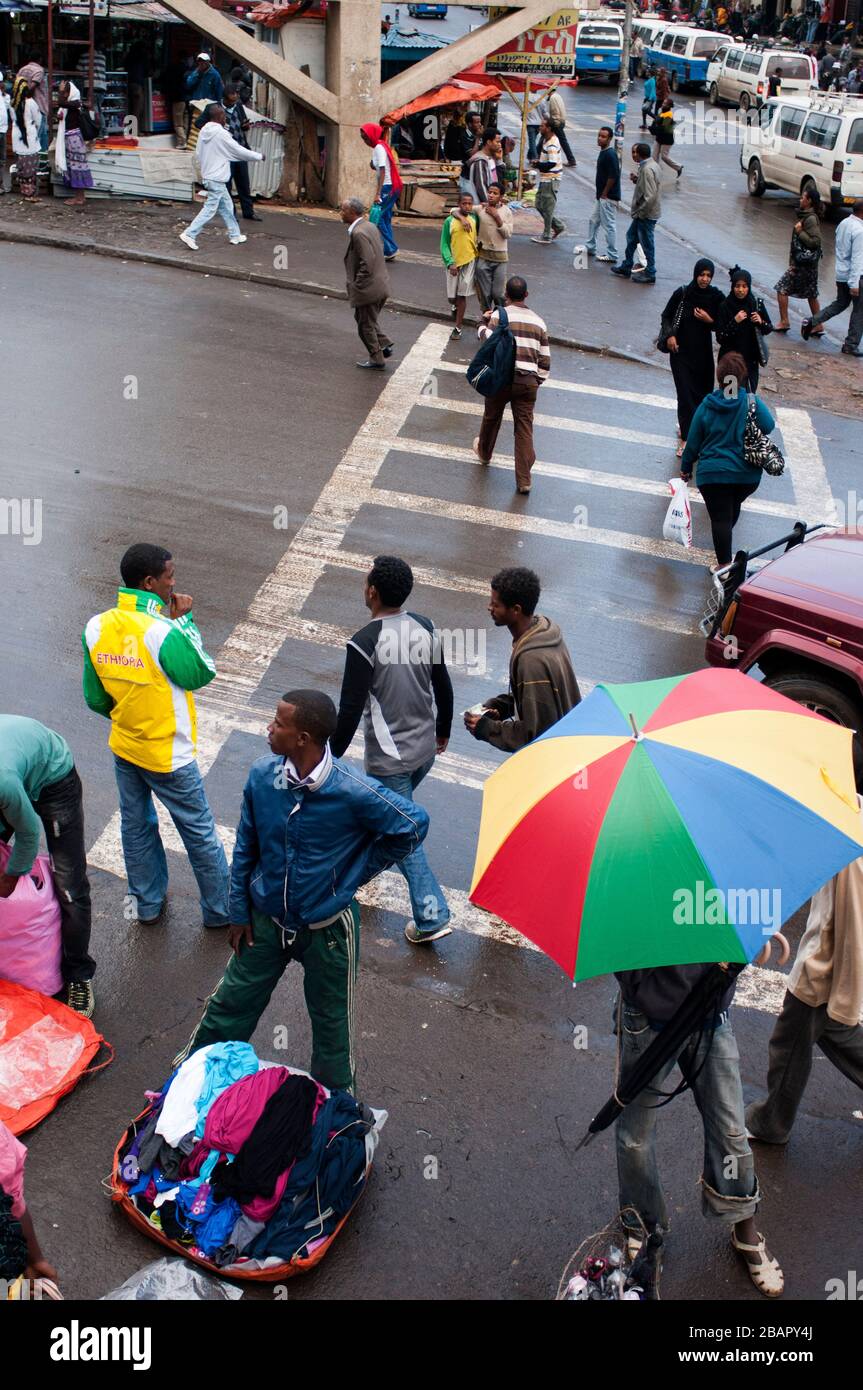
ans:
x=666 y=823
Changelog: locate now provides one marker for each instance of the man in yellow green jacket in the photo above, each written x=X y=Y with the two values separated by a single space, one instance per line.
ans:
x=142 y=660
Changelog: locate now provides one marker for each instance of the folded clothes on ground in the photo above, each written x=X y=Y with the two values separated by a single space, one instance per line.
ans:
x=240 y=1160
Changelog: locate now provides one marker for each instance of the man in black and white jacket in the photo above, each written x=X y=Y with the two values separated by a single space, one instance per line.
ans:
x=396 y=680
x=238 y=124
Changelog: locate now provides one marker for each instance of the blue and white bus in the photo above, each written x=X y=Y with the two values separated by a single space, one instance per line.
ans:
x=684 y=53
x=598 y=48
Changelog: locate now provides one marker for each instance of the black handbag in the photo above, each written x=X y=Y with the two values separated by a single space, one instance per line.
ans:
x=758 y=450
x=88 y=124
x=804 y=255
x=670 y=330
x=761 y=345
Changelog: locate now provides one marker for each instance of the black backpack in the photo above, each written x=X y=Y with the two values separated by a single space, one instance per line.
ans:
x=493 y=367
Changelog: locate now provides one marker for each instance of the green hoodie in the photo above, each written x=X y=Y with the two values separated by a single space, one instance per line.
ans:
x=715 y=439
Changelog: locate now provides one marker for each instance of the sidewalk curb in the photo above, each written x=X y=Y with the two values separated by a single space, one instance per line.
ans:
x=11 y=233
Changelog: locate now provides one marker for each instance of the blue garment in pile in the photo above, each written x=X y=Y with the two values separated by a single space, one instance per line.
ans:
x=227 y=1062
x=338 y=1167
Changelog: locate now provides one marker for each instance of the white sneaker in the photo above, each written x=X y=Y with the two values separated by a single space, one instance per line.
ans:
x=236 y=240
x=189 y=241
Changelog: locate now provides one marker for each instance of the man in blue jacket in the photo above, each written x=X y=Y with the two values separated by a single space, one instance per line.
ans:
x=203 y=83
x=312 y=832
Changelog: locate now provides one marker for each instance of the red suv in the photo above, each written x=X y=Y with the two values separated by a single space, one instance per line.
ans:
x=799 y=618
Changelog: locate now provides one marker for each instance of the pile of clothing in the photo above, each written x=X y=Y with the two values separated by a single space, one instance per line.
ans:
x=243 y=1162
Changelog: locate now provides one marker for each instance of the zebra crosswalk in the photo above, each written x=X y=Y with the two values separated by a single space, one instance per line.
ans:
x=410 y=484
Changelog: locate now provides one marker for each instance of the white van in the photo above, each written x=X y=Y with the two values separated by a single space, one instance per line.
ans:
x=794 y=143
x=740 y=74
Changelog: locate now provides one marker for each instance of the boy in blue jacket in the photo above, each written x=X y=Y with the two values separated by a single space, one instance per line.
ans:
x=312 y=832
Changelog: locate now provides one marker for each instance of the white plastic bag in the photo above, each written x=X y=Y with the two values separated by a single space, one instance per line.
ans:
x=678 y=519
x=639 y=260
x=170 y=1280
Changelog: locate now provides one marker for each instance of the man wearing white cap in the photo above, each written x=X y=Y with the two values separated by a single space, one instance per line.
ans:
x=203 y=83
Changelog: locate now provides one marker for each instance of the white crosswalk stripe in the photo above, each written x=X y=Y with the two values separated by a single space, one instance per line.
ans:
x=284 y=607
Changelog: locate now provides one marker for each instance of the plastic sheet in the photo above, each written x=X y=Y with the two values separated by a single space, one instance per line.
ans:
x=36 y=1060
x=170 y=1280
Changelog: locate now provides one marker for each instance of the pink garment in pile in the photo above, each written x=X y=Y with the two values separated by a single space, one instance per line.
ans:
x=231 y=1119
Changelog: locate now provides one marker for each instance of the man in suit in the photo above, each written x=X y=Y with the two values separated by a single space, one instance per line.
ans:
x=368 y=283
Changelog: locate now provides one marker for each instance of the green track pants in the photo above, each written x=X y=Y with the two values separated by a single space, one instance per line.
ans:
x=329 y=957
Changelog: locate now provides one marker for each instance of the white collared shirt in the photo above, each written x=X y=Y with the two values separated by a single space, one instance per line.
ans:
x=354 y=224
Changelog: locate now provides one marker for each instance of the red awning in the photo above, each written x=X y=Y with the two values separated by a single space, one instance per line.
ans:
x=452 y=93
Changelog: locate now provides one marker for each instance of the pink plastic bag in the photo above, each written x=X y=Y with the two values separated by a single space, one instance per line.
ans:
x=30 y=929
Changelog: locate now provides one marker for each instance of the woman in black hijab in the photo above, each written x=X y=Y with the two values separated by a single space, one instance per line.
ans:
x=688 y=321
x=741 y=318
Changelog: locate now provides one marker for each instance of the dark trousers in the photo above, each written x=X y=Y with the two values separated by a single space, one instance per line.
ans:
x=560 y=132
x=521 y=396
x=240 y=179
x=839 y=305
x=61 y=811
x=798 y=1028
x=532 y=141
x=329 y=957
x=641 y=233
x=723 y=502
x=373 y=338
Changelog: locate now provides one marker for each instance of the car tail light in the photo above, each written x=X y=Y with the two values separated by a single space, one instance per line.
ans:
x=760 y=89
x=728 y=620
x=837 y=170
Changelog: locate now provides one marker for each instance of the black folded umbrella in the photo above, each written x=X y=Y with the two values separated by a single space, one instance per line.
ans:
x=669 y=1040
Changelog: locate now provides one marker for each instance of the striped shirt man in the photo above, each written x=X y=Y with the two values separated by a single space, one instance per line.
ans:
x=100 y=73
x=552 y=154
x=532 y=353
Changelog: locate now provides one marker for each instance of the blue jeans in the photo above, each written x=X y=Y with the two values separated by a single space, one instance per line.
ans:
x=604 y=215
x=641 y=231
x=729 y=1187
x=182 y=794
x=385 y=226
x=428 y=903
x=218 y=200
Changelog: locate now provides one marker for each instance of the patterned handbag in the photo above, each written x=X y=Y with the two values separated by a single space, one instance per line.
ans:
x=758 y=450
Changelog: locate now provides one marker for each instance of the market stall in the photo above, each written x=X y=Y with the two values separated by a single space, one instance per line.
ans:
x=430 y=181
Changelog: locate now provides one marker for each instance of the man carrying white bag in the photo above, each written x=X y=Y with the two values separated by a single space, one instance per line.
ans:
x=39 y=783
x=678 y=519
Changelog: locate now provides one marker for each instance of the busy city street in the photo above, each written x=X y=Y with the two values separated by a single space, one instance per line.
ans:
x=192 y=430
x=484 y=1024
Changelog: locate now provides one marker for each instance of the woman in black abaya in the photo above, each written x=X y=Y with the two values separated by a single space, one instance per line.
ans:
x=688 y=321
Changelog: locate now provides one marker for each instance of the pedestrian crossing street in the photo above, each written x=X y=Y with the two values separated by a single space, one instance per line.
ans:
x=409 y=483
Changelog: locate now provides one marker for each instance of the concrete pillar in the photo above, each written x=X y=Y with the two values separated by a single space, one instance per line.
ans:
x=354 y=75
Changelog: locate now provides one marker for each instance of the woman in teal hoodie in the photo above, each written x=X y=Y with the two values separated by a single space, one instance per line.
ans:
x=714 y=447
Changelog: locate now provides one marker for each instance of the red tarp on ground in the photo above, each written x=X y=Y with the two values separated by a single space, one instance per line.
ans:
x=45 y=1049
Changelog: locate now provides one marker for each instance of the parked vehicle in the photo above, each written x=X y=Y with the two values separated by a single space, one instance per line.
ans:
x=740 y=74
x=799 y=620
x=598 y=48
x=427 y=11
x=650 y=29
x=685 y=53
x=795 y=143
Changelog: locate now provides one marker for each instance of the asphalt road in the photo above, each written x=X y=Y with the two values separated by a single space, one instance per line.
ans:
x=246 y=401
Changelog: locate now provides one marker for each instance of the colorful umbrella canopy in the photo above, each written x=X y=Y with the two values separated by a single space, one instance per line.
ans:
x=666 y=823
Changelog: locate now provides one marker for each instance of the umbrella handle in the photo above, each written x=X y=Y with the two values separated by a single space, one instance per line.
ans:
x=763 y=955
